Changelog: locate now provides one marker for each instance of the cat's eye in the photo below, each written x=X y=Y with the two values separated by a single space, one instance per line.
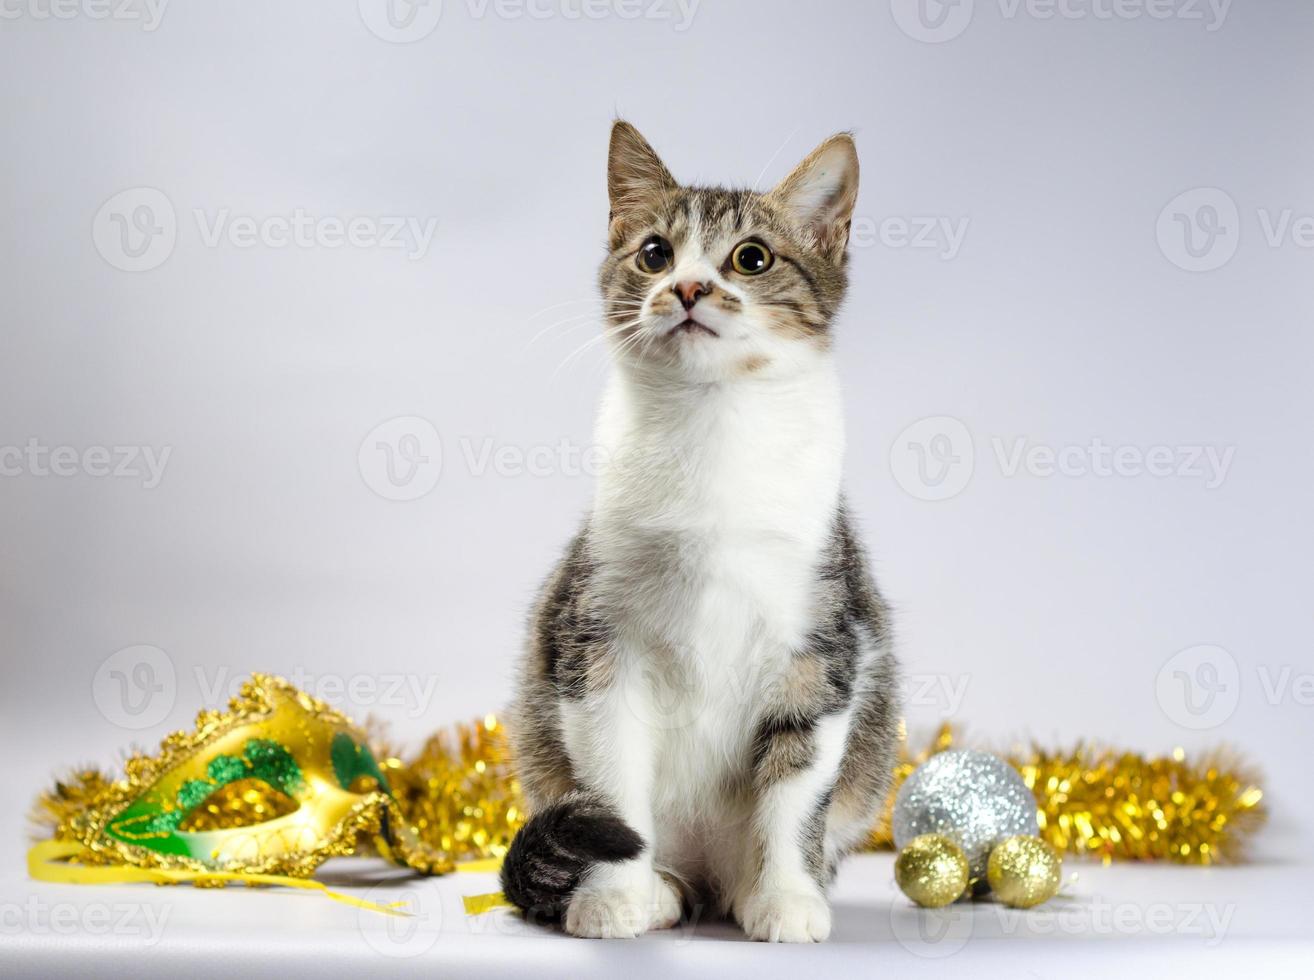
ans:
x=655 y=255
x=751 y=258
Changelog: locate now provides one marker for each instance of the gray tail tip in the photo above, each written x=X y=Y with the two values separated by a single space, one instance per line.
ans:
x=555 y=848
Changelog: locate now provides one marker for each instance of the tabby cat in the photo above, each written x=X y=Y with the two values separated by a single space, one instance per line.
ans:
x=706 y=715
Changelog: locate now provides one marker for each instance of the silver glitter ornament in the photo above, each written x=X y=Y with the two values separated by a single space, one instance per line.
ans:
x=975 y=799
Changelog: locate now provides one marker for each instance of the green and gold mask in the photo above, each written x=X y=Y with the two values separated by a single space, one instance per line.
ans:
x=276 y=785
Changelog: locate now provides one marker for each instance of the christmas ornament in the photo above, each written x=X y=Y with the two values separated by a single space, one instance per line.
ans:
x=931 y=870
x=1122 y=805
x=1024 y=871
x=974 y=798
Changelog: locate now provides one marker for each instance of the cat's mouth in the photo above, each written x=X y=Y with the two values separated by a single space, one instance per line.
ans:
x=690 y=325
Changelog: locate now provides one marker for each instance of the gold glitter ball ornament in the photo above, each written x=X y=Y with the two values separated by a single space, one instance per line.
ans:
x=931 y=870
x=1118 y=804
x=1024 y=871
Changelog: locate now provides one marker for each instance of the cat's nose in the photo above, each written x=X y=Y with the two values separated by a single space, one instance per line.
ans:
x=690 y=291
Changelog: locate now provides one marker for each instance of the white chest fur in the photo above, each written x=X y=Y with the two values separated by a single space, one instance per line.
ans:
x=713 y=506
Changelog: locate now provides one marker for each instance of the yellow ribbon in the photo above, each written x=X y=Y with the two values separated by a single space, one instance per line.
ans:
x=479 y=904
x=49 y=861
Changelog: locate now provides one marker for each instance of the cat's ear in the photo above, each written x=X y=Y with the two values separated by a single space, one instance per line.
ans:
x=636 y=176
x=821 y=192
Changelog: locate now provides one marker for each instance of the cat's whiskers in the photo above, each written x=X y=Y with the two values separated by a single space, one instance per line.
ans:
x=591 y=300
x=575 y=321
x=624 y=347
x=573 y=355
x=634 y=340
x=565 y=326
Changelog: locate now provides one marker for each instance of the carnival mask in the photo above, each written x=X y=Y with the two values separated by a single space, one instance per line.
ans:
x=273 y=787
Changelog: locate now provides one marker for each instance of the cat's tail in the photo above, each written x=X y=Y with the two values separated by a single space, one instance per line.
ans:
x=561 y=842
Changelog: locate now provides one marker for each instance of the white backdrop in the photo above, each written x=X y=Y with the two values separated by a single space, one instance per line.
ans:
x=1082 y=251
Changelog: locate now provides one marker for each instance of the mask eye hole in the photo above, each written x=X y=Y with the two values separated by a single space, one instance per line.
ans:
x=751 y=258
x=655 y=255
x=245 y=803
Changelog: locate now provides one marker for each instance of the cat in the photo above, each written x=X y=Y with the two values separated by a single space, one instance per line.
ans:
x=706 y=714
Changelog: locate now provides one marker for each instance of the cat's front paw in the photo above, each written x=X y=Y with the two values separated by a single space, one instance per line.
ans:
x=622 y=903
x=785 y=917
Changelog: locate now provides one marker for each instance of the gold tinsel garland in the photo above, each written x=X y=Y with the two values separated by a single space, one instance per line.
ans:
x=459 y=792
x=460 y=795
x=1118 y=805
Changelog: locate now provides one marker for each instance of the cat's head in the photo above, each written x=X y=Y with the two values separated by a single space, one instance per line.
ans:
x=704 y=284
